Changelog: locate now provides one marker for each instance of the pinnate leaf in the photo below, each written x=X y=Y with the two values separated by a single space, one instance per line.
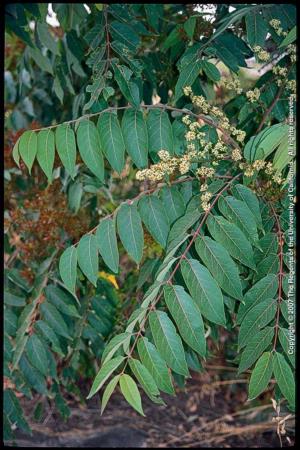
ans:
x=168 y=342
x=88 y=257
x=187 y=317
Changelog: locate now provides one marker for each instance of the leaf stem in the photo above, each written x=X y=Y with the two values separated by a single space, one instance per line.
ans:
x=280 y=274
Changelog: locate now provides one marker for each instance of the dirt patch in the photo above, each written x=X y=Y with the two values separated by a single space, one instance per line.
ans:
x=207 y=414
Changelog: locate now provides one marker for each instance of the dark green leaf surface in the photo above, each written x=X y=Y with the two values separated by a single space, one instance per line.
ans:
x=153 y=215
x=155 y=364
x=66 y=147
x=107 y=243
x=168 y=342
x=159 y=131
x=89 y=148
x=221 y=266
x=135 y=135
x=204 y=290
x=111 y=140
x=187 y=317
x=88 y=257
x=261 y=375
x=130 y=230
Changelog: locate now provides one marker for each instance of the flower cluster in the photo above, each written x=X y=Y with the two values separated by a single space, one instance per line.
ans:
x=185 y=162
x=291 y=50
x=206 y=108
x=236 y=154
x=253 y=96
x=232 y=85
x=280 y=71
x=291 y=86
x=258 y=165
x=261 y=54
x=206 y=172
x=276 y=25
x=205 y=199
x=157 y=172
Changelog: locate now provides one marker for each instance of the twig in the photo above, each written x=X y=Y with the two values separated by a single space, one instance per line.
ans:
x=273 y=104
x=215 y=421
x=107 y=63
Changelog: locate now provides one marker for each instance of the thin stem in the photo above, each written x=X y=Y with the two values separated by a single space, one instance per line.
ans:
x=280 y=274
x=273 y=104
x=107 y=63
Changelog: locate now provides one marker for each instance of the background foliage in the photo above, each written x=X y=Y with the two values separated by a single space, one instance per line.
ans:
x=70 y=287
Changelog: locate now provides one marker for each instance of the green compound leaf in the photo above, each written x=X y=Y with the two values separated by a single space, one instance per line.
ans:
x=187 y=76
x=168 y=342
x=160 y=132
x=129 y=88
x=256 y=28
x=173 y=202
x=114 y=344
x=37 y=354
x=221 y=266
x=187 y=317
x=261 y=291
x=245 y=194
x=107 y=243
x=146 y=380
x=232 y=239
x=238 y=212
x=261 y=375
x=108 y=392
x=130 y=230
x=88 y=257
x=257 y=344
x=68 y=268
x=204 y=290
x=106 y=370
x=66 y=147
x=131 y=393
x=89 y=148
x=153 y=215
x=157 y=367
x=28 y=148
x=135 y=135
x=256 y=318
x=284 y=377
x=211 y=71
x=16 y=153
x=46 y=152
x=54 y=319
x=111 y=139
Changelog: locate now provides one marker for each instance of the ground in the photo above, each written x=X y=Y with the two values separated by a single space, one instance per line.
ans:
x=206 y=414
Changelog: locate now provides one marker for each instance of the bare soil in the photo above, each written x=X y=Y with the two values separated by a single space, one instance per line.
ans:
x=209 y=413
